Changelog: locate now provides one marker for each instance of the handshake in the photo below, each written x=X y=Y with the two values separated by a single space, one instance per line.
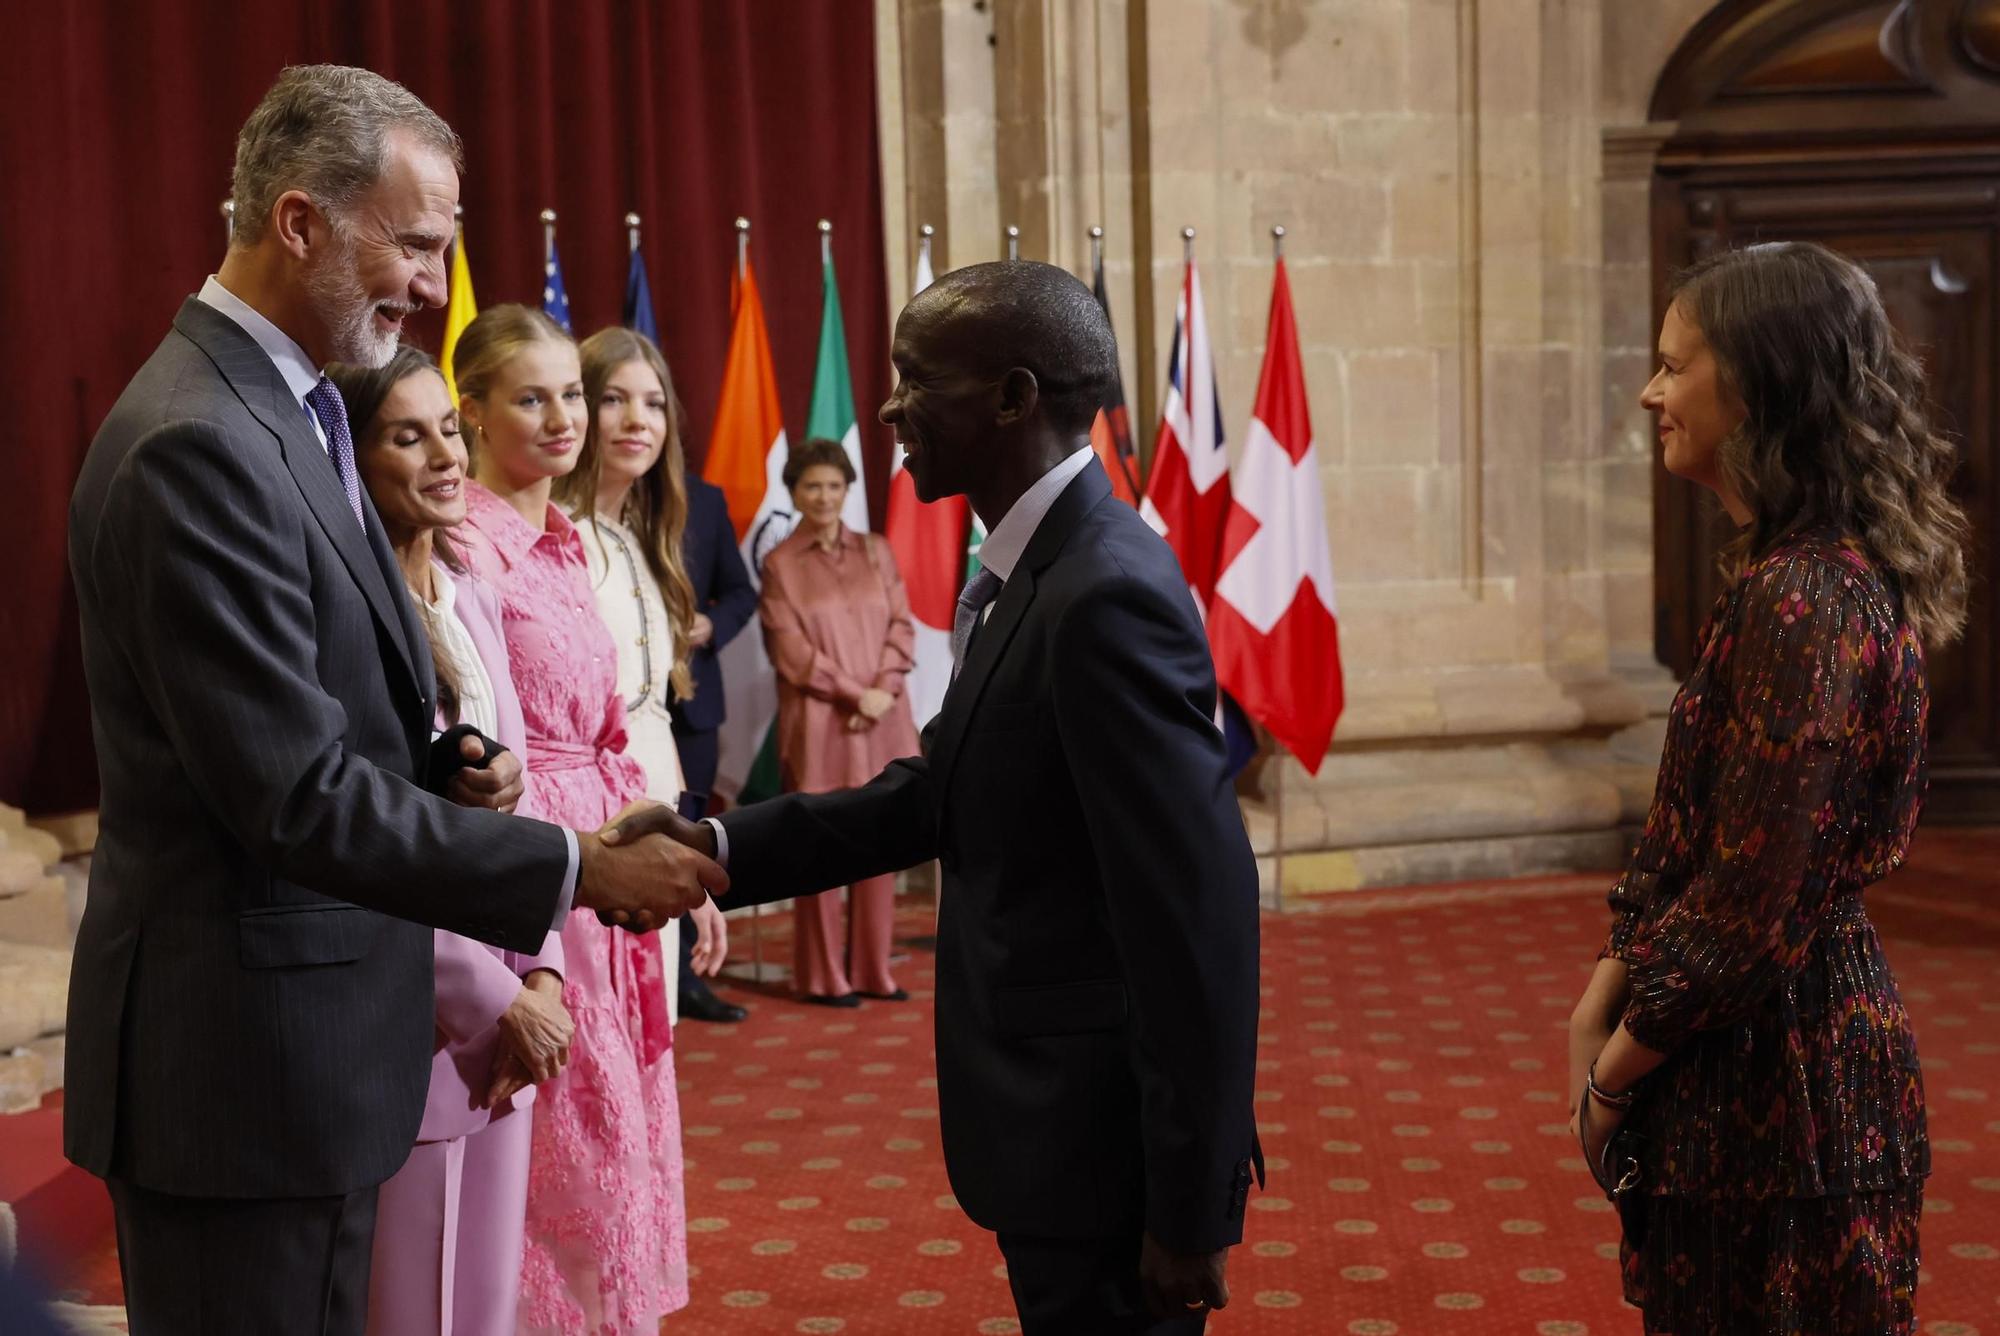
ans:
x=647 y=868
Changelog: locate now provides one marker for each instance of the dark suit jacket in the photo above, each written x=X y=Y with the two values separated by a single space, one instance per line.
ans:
x=1097 y=940
x=722 y=589
x=250 y=1006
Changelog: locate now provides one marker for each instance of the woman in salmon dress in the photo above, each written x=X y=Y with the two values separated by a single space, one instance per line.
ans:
x=837 y=627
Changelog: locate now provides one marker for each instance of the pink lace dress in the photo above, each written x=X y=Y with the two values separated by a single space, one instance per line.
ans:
x=606 y=1231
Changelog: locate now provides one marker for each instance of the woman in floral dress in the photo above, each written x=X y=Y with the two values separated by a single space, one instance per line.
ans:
x=1746 y=1075
x=606 y=1232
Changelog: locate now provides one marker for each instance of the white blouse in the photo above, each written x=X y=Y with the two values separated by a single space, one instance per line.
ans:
x=476 y=704
x=629 y=600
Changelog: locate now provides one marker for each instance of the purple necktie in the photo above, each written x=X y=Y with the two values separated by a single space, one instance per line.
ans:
x=327 y=406
x=980 y=590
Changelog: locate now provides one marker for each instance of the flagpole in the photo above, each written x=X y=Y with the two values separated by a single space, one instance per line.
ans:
x=548 y=234
x=1278 y=752
x=1013 y=242
x=1096 y=248
x=631 y=233
x=924 y=235
x=228 y=222
x=1187 y=245
x=825 y=243
x=756 y=911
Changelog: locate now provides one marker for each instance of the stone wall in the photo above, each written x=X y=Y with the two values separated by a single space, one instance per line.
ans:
x=35 y=934
x=1464 y=185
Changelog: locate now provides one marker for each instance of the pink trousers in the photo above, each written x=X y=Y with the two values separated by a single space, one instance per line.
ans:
x=448 y=1235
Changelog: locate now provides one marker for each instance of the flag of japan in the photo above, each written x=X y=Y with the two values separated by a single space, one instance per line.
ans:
x=1272 y=622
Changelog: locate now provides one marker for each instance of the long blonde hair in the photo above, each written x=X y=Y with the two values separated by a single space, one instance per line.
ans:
x=1836 y=431
x=656 y=507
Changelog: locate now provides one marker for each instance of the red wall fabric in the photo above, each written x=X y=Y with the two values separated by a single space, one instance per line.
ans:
x=115 y=152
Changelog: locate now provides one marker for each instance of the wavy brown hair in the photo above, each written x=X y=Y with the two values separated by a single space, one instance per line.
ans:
x=1836 y=432
x=657 y=506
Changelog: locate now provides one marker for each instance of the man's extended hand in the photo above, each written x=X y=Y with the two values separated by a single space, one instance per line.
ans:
x=497 y=784
x=640 y=880
x=650 y=818
x=1176 y=1284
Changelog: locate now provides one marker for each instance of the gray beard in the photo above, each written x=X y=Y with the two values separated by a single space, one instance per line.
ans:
x=341 y=301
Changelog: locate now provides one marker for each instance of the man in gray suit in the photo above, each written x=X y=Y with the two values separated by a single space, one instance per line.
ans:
x=250 y=1015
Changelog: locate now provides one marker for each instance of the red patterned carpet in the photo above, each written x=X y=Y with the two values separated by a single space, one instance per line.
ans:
x=1422 y=1179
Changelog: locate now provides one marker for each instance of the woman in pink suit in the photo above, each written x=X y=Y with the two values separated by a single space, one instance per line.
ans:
x=449 y=1224
x=606 y=1246
x=837 y=627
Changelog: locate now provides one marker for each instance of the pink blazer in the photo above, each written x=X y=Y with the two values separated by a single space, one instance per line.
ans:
x=475 y=982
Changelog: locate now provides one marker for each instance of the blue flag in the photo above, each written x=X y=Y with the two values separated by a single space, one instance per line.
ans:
x=639 y=300
x=555 y=301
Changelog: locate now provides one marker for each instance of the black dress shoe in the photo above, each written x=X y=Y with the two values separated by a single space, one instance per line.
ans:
x=898 y=996
x=822 y=1000
x=706 y=1006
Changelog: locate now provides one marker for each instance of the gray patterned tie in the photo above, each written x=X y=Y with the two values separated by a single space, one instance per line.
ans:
x=331 y=411
x=979 y=591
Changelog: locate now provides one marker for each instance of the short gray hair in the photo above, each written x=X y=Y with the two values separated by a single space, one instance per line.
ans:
x=324 y=129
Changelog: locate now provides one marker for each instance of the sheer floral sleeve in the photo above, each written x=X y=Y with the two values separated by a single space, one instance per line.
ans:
x=1628 y=903
x=1770 y=864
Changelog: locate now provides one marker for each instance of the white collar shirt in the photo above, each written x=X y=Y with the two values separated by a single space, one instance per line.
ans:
x=1008 y=540
x=294 y=367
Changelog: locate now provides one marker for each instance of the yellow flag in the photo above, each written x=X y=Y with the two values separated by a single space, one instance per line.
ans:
x=458 y=312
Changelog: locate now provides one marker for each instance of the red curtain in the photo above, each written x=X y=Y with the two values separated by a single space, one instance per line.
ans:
x=115 y=153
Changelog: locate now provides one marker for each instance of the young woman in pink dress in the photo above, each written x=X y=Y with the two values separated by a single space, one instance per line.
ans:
x=606 y=1230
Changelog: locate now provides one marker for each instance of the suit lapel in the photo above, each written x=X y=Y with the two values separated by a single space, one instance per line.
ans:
x=961 y=700
x=257 y=383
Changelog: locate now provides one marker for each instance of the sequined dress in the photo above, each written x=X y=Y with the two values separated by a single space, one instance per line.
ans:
x=1783 y=1144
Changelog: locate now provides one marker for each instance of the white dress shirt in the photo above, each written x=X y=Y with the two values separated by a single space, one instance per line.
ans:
x=294 y=367
x=476 y=704
x=1007 y=540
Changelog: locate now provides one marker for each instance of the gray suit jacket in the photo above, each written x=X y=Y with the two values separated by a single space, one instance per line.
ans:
x=250 y=1011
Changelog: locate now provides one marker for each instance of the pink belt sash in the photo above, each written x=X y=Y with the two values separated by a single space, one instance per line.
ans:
x=638 y=965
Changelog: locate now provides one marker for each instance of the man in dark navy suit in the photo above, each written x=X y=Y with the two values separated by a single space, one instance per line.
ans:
x=1097 y=933
x=726 y=601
